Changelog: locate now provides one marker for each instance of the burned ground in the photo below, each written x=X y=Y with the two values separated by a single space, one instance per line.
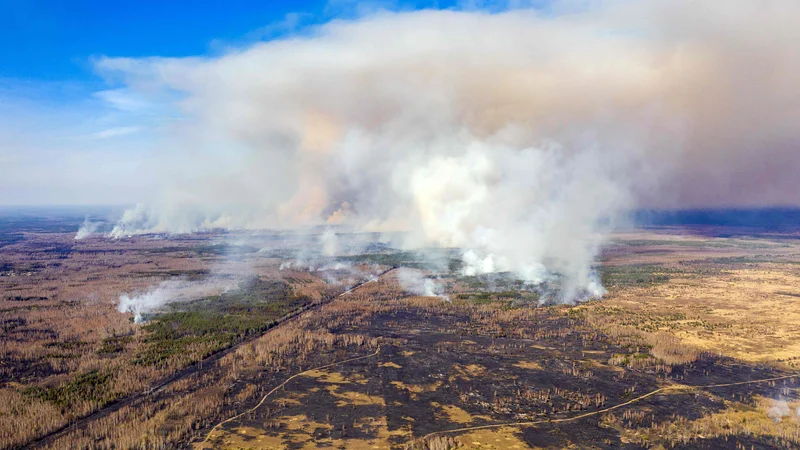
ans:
x=683 y=309
x=435 y=373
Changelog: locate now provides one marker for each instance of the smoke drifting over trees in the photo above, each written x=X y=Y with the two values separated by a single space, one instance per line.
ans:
x=517 y=136
x=168 y=292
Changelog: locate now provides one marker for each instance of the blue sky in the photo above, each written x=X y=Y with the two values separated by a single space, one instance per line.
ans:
x=55 y=40
x=67 y=135
x=87 y=116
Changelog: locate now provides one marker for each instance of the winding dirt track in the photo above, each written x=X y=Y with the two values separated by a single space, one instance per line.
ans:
x=118 y=404
x=674 y=387
x=326 y=366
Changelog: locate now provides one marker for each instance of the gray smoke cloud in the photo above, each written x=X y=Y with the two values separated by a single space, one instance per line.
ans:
x=517 y=136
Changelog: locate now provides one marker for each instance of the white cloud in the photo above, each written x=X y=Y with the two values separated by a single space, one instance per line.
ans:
x=124 y=100
x=115 y=131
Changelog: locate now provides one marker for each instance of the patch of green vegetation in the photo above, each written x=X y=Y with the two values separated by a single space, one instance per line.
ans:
x=678 y=243
x=294 y=280
x=503 y=281
x=509 y=299
x=430 y=259
x=481 y=297
x=577 y=313
x=217 y=322
x=191 y=275
x=712 y=243
x=398 y=259
x=115 y=344
x=728 y=260
x=171 y=333
x=92 y=386
x=609 y=310
x=207 y=250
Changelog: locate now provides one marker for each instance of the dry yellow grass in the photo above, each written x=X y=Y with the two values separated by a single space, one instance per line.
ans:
x=767 y=418
x=530 y=365
x=744 y=313
x=455 y=414
x=498 y=439
x=334 y=377
x=390 y=364
x=415 y=389
x=352 y=398
x=298 y=431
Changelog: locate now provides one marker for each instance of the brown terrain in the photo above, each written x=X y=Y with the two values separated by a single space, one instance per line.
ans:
x=695 y=345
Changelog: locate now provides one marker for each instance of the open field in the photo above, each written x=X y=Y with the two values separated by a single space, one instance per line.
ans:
x=280 y=354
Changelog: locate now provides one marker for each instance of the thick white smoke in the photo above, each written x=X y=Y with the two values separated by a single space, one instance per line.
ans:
x=517 y=136
x=778 y=410
x=87 y=229
x=330 y=243
x=169 y=292
x=417 y=283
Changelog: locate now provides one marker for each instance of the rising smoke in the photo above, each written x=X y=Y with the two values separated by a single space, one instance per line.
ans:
x=518 y=137
x=778 y=409
x=169 y=292
x=417 y=283
x=321 y=253
x=87 y=228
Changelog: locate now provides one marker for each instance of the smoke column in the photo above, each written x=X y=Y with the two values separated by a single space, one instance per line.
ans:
x=417 y=283
x=87 y=229
x=517 y=136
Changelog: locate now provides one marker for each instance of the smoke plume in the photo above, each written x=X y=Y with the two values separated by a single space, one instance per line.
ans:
x=87 y=229
x=168 y=292
x=417 y=283
x=778 y=410
x=517 y=136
